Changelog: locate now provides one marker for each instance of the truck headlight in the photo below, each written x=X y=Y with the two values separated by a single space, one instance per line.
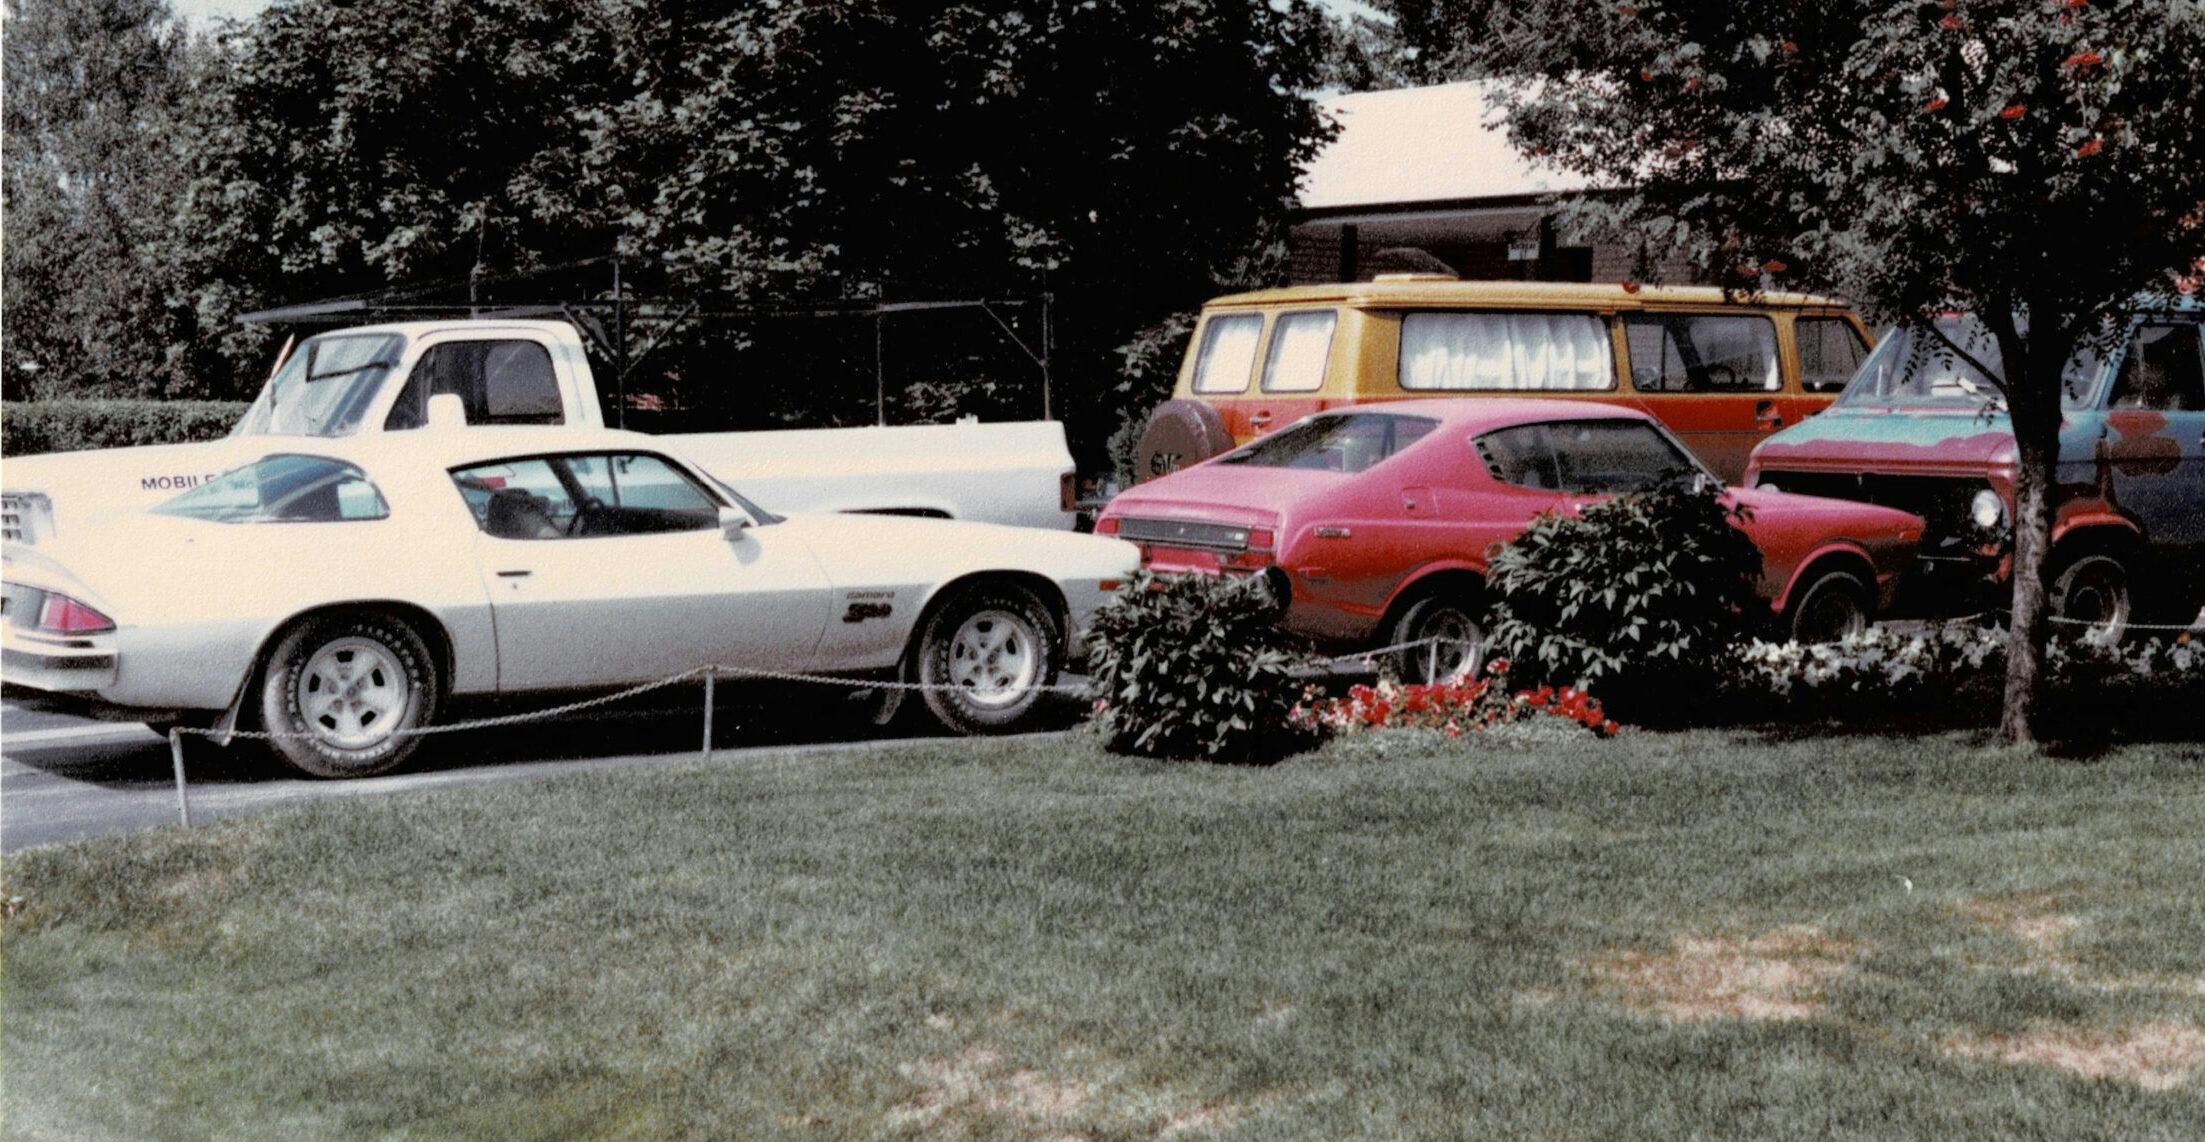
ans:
x=1986 y=510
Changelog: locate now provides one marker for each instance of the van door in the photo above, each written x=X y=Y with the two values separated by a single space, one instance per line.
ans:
x=1713 y=378
x=2155 y=438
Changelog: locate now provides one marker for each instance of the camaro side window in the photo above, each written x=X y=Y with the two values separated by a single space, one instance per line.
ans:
x=577 y=497
x=1602 y=457
x=284 y=489
x=499 y=382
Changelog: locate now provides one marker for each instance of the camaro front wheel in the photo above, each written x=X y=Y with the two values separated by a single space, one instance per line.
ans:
x=340 y=693
x=986 y=657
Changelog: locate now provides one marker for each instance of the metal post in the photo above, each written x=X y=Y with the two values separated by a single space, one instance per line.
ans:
x=709 y=675
x=880 y=379
x=176 y=758
x=620 y=350
x=1047 y=345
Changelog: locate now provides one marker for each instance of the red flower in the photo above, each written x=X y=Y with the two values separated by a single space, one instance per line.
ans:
x=2096 y=144
x=1951 y=21
x=1773 y=266
x=2085 y=59
x=1788 y=48
x=1646 y=77
x=1937 y=104
x=1630 y=286
x=2014 y=111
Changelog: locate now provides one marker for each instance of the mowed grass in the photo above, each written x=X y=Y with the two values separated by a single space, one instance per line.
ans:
x=1701 y=934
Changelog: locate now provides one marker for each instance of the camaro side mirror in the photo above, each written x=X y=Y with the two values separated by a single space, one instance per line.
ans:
x=733 y=523
x=446 y=410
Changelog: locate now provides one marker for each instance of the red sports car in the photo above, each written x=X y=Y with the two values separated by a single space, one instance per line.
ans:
x=1376 y=522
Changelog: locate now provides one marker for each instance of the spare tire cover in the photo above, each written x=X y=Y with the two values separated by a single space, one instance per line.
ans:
x=1179 y=433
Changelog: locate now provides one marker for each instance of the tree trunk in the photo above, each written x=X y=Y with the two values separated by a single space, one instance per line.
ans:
x=2033 y=366
x=2034 y=479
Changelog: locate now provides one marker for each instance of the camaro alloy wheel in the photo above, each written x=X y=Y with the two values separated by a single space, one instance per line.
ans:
x=987 y=656
x=1457 y=648
x=1831 y=609
x=2093 y=590
x=340 y=692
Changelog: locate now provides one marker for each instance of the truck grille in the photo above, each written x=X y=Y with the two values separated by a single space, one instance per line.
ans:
x=1184 y=533
x=1941 y=501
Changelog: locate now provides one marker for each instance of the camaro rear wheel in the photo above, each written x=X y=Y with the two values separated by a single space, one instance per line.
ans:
x=1453 y=621
x=2092 y=594
x=1831 y=609
x=340 y=691
x=987 y=656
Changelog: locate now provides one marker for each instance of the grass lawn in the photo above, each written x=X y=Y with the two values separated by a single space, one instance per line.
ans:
x=1701 y=934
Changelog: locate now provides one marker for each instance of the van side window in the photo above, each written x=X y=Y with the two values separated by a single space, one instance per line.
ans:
x=1702 y=353
x=1300 y=343
x=500 y=382
x=1228 y=353
x=1830 y=352
x=2164 y=371
x=1536 y=352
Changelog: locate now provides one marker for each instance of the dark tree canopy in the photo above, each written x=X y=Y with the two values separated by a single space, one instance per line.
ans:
x=1130 y=157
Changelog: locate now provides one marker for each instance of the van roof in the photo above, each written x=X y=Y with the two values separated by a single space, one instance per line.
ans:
x=1589 y=295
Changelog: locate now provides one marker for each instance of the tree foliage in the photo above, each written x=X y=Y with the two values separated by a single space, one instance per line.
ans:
x=92 y=169
x=2038 y=162
x=1127 y=156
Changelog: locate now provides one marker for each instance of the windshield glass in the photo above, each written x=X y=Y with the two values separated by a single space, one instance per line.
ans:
x=325 y=388
x=1956 y=365
x=283 y=489
x=1347 y=442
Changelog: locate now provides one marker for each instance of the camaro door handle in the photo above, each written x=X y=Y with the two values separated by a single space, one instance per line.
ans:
x=514 y=574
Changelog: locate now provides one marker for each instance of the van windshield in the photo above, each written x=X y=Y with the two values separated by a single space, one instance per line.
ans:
x=1956 y=365
x=1336 y=442
x=325 y=388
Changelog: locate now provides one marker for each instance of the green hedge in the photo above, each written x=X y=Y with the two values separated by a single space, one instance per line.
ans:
x=28 y=427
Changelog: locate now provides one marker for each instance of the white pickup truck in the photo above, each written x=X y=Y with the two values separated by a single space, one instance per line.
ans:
x=379 y=378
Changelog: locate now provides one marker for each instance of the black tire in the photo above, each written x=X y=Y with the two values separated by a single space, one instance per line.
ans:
x=2091 y=594
x=1178 y=433
x=1455 y=614
x=1834 y=605
x=988 y=655
x=383 y=679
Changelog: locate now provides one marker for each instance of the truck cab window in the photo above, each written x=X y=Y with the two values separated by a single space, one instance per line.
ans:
x=2163 y=371
x=499 y=382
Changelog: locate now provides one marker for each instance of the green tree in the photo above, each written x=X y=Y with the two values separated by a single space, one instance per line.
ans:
x=2038 y=162
x=92 y=169
x=1125 y=155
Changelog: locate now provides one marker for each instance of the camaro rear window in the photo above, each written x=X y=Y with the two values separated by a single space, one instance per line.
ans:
x=1344 y=442
x=1583 y=457
x=283 y=489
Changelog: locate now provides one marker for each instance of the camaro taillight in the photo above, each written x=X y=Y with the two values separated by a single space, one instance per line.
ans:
x=1260 y=538
x=60 y=614
x=1107 y=526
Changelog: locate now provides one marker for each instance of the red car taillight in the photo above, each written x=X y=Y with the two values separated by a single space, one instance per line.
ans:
x=1107 y=526
x=60 y=614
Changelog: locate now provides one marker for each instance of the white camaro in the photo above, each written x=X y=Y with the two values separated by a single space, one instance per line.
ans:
x=341 y=593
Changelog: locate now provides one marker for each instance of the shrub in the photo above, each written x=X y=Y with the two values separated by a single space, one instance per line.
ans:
x=1954 y=672
x=1643 y=597
x=30 y=427
x=1195 y=666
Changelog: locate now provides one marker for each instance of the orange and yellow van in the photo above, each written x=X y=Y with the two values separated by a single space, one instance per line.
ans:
x=1720 y=371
